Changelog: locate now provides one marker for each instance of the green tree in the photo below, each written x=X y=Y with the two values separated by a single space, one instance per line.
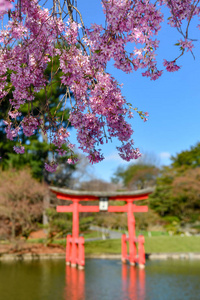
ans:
x=137 y=176
x=37 y=151
x=177 y=194
x=188 y=158
x=162 y=200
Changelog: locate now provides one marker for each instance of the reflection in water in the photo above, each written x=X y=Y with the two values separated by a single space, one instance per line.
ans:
x=133 y=283
x=101 y=280
x=75 y=284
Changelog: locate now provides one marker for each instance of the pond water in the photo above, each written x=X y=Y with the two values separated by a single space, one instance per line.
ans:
x=101 y=280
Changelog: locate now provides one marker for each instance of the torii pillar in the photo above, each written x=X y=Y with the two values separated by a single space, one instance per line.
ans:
x=75 y=244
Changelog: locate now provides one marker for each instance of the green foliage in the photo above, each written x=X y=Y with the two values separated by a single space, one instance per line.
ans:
x=147 y=221
x=137 y=176
x=188 y=158
x=58 y=222
x=176 y=199
x=172 y=219
x=85 y=223
x=34 y=157
x=177 y=194
x=37 y=151
x=162 y=201
x=197 y=228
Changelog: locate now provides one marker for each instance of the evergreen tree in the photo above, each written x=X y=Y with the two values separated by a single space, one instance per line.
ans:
x=37 y=150
x=188 y=158
x=177 y=193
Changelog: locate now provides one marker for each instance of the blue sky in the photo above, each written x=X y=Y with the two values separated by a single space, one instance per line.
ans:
x=172 y=101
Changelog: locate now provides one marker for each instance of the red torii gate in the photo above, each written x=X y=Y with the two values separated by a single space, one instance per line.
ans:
x=75 y=244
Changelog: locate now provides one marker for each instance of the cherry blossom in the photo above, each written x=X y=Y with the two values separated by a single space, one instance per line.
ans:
x=29 y=125
x=14 y=114
x=51 y=167
x=171 y=66
x=34 y=36
x=19 y=150
x=11 y=132
x=186 y=44
x=72 y=161
x=5 y=5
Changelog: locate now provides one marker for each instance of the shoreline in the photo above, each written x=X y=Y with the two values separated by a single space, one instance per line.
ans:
x=149 y=256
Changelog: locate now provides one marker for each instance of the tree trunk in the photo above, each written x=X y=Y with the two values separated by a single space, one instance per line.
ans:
x=13 y=228
x=46 y=199
x=46 y=204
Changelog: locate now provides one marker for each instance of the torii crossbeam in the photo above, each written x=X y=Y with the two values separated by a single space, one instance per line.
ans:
x=75 y=244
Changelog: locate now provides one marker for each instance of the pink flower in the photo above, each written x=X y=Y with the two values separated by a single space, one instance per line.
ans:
x=72 y=160
x=10 y=132
x=61 y=152
x=95 y=156
x=19 y=150
x=14 y=114
x=29 y=125
x=51 y=167
x=5 y=5
x=60 y=137
x=99 y=110
x=186 y=44
x=127 y=152
x=171 y=66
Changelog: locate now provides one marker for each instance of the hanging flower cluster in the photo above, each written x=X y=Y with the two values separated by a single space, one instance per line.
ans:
x=35 y=36
x=5 y=5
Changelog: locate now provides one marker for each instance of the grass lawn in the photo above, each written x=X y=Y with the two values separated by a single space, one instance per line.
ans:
x=172 y=244
x=152 y=244
x=159 y=244
x=92 y=234
x=152 y=233
x=103 y=246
